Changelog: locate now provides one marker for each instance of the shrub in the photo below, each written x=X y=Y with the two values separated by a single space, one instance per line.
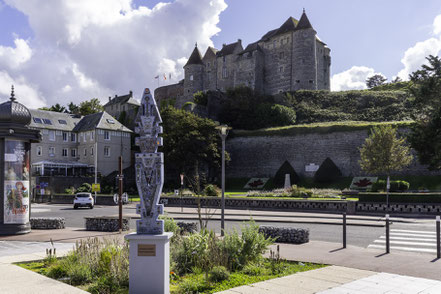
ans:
x=85 y=187
x=211 y=190
x=70 y=190
x=252 y=270
x=327 y=172
x=279 y=178
x=200 y=98
x=395 y=186
x=193 y=285
x=300 y=192
x=274 y=115
x=219 y=274
x=56 y=271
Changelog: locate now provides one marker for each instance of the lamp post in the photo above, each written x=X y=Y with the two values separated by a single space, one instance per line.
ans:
x=223 y=133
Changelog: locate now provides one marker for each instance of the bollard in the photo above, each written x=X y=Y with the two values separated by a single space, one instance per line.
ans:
x=387 y=234
x=344 y=230
x=438 y=249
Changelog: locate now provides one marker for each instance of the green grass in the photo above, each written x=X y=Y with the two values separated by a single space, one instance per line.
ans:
x=239 y=278
x=317 y=128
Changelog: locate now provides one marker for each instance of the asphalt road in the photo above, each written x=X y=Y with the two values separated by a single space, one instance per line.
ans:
x=356 y=235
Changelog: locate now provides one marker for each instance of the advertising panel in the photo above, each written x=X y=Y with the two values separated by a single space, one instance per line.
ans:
x=17 y=167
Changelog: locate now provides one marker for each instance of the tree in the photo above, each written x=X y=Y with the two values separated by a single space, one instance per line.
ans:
x=56 y=108
x=383 y=152
x=425 y=137
x=90 y=107
x=72 y=108
x=189 y=141
x=375 y=80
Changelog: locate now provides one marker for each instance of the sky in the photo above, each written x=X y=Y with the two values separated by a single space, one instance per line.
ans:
x=58 y=51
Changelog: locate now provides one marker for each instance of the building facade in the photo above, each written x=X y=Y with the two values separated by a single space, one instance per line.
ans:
x=124 y=108
x=288 y=58
x=71 y=144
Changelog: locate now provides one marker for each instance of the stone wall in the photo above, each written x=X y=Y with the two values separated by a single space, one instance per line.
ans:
x=45 y=223
x=263 y=156
x=106 y=224
x=286 y=235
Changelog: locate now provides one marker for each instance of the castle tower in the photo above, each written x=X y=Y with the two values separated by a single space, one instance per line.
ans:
x=193 y=76
x=304 y=59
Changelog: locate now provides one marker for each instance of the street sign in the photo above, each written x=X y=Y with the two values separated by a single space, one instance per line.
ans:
x=96 y=188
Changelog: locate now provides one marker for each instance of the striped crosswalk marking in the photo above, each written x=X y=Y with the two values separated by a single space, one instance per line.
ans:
x=408 y=240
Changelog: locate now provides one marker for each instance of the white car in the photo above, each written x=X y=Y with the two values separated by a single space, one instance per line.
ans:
x=83 y=199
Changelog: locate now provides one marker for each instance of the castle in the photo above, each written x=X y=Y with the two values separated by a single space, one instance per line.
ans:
x=288 y=58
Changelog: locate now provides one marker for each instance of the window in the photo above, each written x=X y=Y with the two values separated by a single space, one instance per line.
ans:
x=73 y=137
x=62 y=122
x=91 y=150
x=65 y=136
x=224 y=72
x=208 y=64
x=282 y=55
x=297 y=81
x=223 y=58
x=47 y=121
x=64 y=152
x=39 y=151
x=191 y=77
x=106 y=151
x=92 y=134
x=281 y=69
x=274 y=44
x=106 y=135
x=110 y=121
x=311 y=81
x=51 y=135
x=51 y=151
x=85 y=152
x=73 y=152
x=37 y=120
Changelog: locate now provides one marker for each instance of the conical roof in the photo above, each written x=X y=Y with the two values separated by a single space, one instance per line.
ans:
x=14 y=112
x=304 y=22
x=195 y=57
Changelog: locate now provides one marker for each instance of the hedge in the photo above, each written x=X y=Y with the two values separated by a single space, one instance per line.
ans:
x=400 y=197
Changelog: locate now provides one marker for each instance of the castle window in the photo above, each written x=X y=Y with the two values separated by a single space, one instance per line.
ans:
x=223 y=58
x=297 y=81
x=274 y=43
x=281 y=69
x=311 y=81
x=282 y=55
x=208 y=64
x=191 y=77
x=224 y=72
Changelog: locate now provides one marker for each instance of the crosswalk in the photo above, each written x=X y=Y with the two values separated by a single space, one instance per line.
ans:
x=408 y=240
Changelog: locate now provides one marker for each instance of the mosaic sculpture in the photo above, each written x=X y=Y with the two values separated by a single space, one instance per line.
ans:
x=149 y=166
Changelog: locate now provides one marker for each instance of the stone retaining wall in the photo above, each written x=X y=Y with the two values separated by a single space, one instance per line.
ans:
x=286 y=235
x=44 y=223
x=106 y=224
x=188 y=227
x=68 y=199
x=399 y=208
x=285 y=204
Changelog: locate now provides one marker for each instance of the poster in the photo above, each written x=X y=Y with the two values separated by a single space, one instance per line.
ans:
x=16 y=198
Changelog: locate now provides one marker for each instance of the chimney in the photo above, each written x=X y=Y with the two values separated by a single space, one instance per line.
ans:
x=110 y=98
x=130 y=93
x=116 y=96
x=223 y=45
x=239 y=41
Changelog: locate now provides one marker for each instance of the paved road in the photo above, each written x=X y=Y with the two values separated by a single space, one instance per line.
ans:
x=408 y=234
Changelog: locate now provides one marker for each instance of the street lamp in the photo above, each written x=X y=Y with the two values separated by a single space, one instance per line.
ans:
x=223 y=133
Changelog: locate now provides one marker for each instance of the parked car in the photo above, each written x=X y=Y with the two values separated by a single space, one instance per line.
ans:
x=83 y=199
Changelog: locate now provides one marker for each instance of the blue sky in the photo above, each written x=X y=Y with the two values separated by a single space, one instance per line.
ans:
x=60 y=50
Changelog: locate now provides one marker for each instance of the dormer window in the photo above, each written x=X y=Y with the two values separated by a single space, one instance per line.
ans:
x=191 y=77
x=208 y=64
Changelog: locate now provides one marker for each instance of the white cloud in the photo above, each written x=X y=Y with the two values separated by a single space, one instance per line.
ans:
x=105 y=47
x=437 y=25
x=415 y=56
x=351 y=79
x=24 y=93
x=13 y=57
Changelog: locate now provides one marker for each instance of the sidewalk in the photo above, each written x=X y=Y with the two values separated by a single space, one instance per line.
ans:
x=355 y=270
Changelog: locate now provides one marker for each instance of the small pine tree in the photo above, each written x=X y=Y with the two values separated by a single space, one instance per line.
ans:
x=327 y=172
x=279 y=178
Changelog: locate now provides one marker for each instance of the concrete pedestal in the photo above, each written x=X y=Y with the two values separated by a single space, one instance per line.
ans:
x=149 y=263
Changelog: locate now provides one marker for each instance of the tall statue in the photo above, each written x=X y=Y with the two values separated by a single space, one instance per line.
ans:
x=149 y=166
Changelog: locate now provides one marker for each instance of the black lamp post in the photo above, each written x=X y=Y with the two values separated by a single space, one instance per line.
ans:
x=15 y=172
x=223 y=132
